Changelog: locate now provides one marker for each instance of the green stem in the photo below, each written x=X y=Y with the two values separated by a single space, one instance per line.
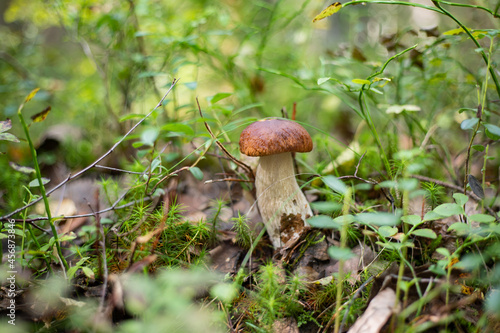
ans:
x=484 y=172
x=443 y=11
x=403 y=3
x=439 y=10
x=470 y=6
x=366 y=112
x=481 y=51
x=42 y=188
x=369 y=121
x=343 y=245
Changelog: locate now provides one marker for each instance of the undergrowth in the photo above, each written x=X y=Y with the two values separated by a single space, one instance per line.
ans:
x=403 y=178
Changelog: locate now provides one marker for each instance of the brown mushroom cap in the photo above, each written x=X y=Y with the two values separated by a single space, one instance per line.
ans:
x=274 y=136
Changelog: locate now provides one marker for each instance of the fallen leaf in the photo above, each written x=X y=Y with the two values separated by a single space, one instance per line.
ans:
x=376 y=315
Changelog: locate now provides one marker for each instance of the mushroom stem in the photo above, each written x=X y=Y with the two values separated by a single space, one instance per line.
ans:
x=278 y=194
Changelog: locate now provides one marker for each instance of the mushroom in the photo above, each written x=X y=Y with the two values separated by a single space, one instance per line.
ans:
x=282 y=204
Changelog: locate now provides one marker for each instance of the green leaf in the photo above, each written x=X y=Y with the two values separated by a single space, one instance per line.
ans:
x=378 y=219
x=196 y=172
x=397 y=109
x=492 y=302
x=67 y=237
x=323 y=222
x=460 y=198
x=393 y=245
x=469 y=262
x=326 y=206
x=218 y=97
x=177 y=129
x=191 y=85
x=88 y=272
x=149 y=136
x=72 y=271
x=131 y=116
x=449 y=209
x=478 y=147
x=335 y=184
x=494 y=130
x=344 y=219
x=456 y=31
x=20 y=168
x=386 y=231
x=5 y=126
x=460 y=228
x=34 y=182
x=339 y=253
x=408 y=184
x=411 y=219
x=388 y=184
x=468 y=124
x=431 y=216
x=322 y=80
x=8 y=137
x=361 y=81
x=427 y=233
x=482 y=218
x=444 y=252
x=224 y=291
x=401 y=184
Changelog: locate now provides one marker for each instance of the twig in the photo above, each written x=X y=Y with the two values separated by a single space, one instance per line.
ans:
x=472 y=195
x=359 y=162
x=356 y=295
x=113 y=207
x=98 y=166
x=101 y=240
x=78 y=174
x=231 y=157
x=228 y=180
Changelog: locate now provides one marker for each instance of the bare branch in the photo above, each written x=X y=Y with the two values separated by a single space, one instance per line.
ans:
x=81 y=172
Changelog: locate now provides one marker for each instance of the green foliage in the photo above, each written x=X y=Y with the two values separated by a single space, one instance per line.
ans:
x=244 y=235
x=275 y=297
x=398 y=113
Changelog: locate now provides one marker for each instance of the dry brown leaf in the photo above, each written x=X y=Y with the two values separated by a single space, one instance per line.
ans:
x=376 y=315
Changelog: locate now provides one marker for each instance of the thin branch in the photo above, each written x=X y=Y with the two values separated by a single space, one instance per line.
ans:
x=78 y=174
x=98 y=166
x=472 y=195
x=228 y=154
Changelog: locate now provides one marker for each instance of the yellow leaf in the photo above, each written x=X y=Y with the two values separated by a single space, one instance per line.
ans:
x=40 y=116
x=361 y=81
x=328 y=11
x=385 y=79
x=479 y=33
x=454 y=32
x=31 y=95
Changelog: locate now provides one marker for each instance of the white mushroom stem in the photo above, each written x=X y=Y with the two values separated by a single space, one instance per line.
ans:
x=278 y=193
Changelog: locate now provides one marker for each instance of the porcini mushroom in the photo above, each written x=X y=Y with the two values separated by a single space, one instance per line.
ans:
x=279 y=197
